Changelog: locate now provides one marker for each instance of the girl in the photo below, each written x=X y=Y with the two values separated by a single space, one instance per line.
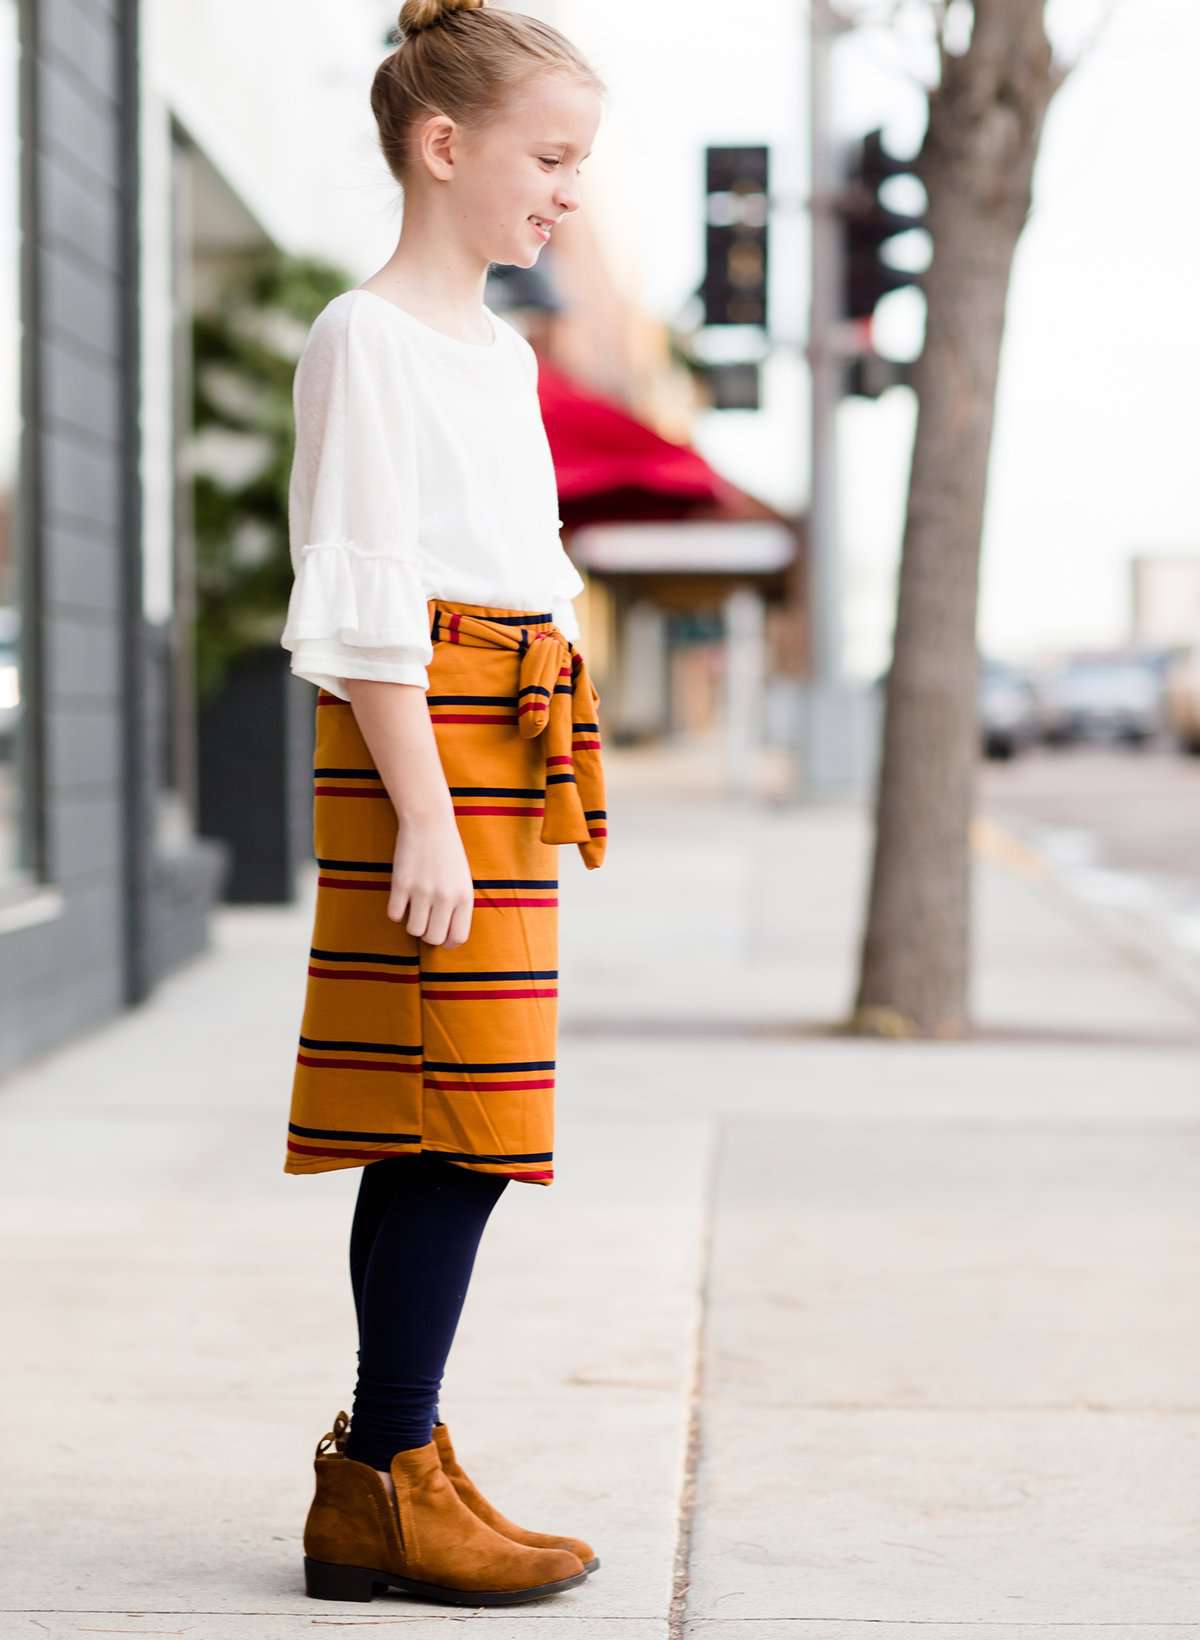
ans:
x=457 y=745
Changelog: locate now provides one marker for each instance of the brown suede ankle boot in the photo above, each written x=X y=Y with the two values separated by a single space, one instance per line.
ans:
x=358 y=1541
x=479 y=1505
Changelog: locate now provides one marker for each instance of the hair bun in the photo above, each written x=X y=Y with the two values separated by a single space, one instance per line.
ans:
x=416 y=15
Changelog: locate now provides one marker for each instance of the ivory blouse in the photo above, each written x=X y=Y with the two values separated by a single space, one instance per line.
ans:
x=421 y=469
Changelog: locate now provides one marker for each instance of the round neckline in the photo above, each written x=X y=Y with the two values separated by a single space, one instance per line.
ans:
x=432 y=330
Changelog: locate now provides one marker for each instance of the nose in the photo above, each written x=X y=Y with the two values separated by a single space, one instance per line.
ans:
x=566 y=197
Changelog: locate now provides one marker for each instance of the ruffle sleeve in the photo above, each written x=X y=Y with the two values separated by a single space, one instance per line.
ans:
x=358 y=604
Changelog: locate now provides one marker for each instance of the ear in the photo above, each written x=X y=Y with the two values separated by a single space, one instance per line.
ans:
x=436 y=143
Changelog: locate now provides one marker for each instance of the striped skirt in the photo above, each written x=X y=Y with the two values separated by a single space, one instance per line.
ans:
x=408 y=1047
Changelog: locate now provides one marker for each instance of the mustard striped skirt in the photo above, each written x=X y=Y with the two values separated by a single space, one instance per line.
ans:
x=407 y=1047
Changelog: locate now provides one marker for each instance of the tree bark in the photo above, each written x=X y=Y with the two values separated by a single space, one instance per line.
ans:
x=976 y=162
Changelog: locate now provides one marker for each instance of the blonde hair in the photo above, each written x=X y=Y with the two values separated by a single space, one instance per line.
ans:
x=464 y=58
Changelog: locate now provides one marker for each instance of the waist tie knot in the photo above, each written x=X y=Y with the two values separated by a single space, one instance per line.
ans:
x=557 y=700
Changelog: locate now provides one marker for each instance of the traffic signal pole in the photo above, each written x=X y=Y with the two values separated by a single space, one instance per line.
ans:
x=828 y=730
x=825 y=632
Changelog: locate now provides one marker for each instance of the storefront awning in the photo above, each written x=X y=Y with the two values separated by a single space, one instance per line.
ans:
x=610 y=466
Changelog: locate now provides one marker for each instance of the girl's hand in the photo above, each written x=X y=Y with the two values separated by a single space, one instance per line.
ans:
x=431 y=881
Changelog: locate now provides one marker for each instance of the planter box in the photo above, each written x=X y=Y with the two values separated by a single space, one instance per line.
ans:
x=255 y=775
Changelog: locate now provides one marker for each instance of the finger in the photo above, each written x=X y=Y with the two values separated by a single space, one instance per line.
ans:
x=418 y=915
x=460 y=923
x=439 y=919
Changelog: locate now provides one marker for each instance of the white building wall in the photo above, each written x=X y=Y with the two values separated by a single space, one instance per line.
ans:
x=276 y=97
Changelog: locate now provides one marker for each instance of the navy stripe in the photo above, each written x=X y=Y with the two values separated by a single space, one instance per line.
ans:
x=496 y=791
x=471 y=700
x=534 y=689
x=360 y=956
x=558 y=779
x=492 y=973
x=578 y=726
x=354 y=865
x=595 y=814
x=364 y=774
x=482 y=1156
x=512 y=1065
x=515 y=882
x=360 y=1047
x=353 y=1133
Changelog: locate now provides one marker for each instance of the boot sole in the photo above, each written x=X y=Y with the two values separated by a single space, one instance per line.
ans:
x=325 y=1580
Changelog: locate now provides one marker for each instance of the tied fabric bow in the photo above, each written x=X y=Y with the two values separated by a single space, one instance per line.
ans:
x=555 y=698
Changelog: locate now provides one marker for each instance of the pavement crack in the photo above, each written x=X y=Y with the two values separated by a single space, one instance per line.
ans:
x=682 y=1560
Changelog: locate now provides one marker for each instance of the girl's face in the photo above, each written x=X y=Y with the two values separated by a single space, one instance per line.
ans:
x=525 y=165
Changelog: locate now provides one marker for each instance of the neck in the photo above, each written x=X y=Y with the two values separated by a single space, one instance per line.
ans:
x=433 y=274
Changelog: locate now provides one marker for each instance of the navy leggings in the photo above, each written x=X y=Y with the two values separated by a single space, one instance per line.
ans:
x=416 y=1229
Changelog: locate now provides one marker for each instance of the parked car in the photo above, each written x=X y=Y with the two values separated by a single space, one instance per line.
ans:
x=1182 y=699
x=1008 y=710
x=1113 y=697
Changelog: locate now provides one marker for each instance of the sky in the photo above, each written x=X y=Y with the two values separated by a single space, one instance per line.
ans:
x=1094 y=451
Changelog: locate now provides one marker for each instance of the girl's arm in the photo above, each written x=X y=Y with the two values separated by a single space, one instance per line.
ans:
x=431 y=876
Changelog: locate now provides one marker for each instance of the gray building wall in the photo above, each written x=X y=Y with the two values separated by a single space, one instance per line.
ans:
x=113 y=914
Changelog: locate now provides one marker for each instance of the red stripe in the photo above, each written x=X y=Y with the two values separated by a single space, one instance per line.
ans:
x=353 y=1064
x=485 y=1087
x=472 y=717
x=454 y=620
x=532 y=706
x=363 y=973
x=550 y=760
x=549 y=1174
x=493 y=808
x=329 y=1150
x=598 y=831
x=586 y=745
x=503 y=905
x=481 y=996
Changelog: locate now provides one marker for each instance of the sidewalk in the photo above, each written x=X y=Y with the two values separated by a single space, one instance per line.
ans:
x=811 y=1337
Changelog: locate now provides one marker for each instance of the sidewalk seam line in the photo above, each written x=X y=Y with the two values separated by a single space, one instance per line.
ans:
x=686 y=1515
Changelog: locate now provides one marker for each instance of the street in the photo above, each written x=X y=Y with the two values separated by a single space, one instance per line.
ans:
x=1121 y=825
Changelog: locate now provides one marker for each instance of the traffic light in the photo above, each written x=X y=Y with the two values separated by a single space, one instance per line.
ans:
x=866 y=276
x=733 y=385
x=868 y=375
x=869 y=226
x=734 y=289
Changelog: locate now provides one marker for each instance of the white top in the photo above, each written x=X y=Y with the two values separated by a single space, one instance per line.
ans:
x=421 y=470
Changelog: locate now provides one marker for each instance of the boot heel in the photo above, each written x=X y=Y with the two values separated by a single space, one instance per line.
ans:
x=326 y=1581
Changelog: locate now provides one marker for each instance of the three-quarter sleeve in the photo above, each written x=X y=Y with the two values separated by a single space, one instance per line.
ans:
x=358 y=604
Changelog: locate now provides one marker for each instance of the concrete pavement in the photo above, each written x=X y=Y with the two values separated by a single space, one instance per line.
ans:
x=811 y=1337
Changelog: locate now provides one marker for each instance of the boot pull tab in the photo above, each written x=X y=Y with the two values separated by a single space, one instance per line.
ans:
x=335 y=1436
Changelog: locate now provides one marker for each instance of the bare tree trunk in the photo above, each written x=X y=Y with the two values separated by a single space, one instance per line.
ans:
x=977 y=160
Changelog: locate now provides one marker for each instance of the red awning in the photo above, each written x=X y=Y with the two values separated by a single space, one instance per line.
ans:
x=609 y=465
